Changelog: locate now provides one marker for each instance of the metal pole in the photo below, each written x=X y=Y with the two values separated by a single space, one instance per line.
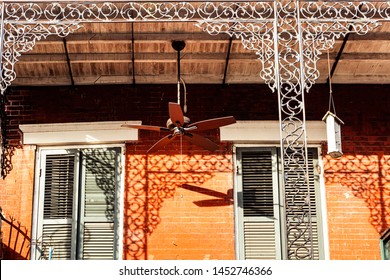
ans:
x=1 y=46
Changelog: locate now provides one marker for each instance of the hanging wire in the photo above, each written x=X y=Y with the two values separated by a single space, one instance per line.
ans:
x=180 y=80
x=181 y=159
x=178 y=75
x=331 y=101
x=185 y=95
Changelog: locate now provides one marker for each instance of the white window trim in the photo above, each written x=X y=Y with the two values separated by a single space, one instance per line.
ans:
x=78 y=133
x=37 y=189
x=268 y=132
x=324 y=218
x=75 y=136
x=253 y=133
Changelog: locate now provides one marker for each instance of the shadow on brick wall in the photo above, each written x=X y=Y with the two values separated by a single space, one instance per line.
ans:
x=368 y=177
x=6 y=160
x=15 y=240
x=151 y=179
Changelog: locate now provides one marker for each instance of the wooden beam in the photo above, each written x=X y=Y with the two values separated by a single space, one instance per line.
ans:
x=127 y=57
x=201 y=36
x=227 y=60
x=68 y=62
x=361 y=79
x=171 y=57
x=151 y=37
x=191 y=79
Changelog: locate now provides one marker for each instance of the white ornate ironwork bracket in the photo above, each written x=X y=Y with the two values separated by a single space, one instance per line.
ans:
x=287 y=36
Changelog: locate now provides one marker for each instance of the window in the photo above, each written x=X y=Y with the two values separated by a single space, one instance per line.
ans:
x=78 y=204
x=385 y=245
x=259 y=204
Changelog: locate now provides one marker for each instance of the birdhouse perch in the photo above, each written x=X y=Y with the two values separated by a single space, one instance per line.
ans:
x=333 y=131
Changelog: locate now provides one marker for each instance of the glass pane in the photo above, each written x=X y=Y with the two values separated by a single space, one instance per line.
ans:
x=100 y=182
x=386 y=249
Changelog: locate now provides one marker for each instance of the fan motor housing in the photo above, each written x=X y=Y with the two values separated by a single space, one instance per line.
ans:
x=171 y=125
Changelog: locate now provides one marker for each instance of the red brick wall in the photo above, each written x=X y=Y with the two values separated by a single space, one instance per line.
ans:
x=16 y=202
x=178 y=205
x=163 y=219
x=146 y=103
x=358 y=184
x=358 y=197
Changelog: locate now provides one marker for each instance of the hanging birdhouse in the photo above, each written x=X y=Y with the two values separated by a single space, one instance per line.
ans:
x=333 y=131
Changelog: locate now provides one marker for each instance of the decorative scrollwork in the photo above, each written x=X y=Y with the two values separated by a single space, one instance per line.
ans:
x=235 y=11
x=337 y=10
x=21 y=38
x=384 y=10
x=3 y=138
x=291 y=86
x=158 y=11
x=255 y=37
x=102 y=11
x=324 y=23
x=252 y=22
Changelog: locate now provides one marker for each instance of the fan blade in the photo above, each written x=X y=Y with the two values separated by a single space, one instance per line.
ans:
x=146 y=127
x=213 y=123
x=162 y=142
x=201 y=141
x=176 y=114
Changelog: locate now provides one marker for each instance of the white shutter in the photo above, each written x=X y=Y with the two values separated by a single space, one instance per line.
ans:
x=261 y=218
x=58 y=209
x=258 y=204
x=98 y=241
x=58 y=237
x=99 y=210
x=259 y=240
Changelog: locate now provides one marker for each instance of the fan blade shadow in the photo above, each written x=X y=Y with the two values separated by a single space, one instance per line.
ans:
x=204 y=191
x=212 y=203
x=224 y=199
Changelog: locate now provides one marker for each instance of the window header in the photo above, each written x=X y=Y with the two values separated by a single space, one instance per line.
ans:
x=268 y=132
x=79 y=132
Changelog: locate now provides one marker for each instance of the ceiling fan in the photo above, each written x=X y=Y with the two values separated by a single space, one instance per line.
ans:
x=180 y=125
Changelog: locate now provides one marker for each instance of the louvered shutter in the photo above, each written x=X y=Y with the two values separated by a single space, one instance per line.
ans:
x=58 y=208
x=261 y=229
x=99 y=212
x=294 y=196
x=259 y=205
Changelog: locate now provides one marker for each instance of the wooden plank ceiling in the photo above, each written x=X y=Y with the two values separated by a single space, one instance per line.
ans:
x=141 y=53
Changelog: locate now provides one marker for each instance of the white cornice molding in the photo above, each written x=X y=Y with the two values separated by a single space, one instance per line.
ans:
x=268 y=132
x=78 y=133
